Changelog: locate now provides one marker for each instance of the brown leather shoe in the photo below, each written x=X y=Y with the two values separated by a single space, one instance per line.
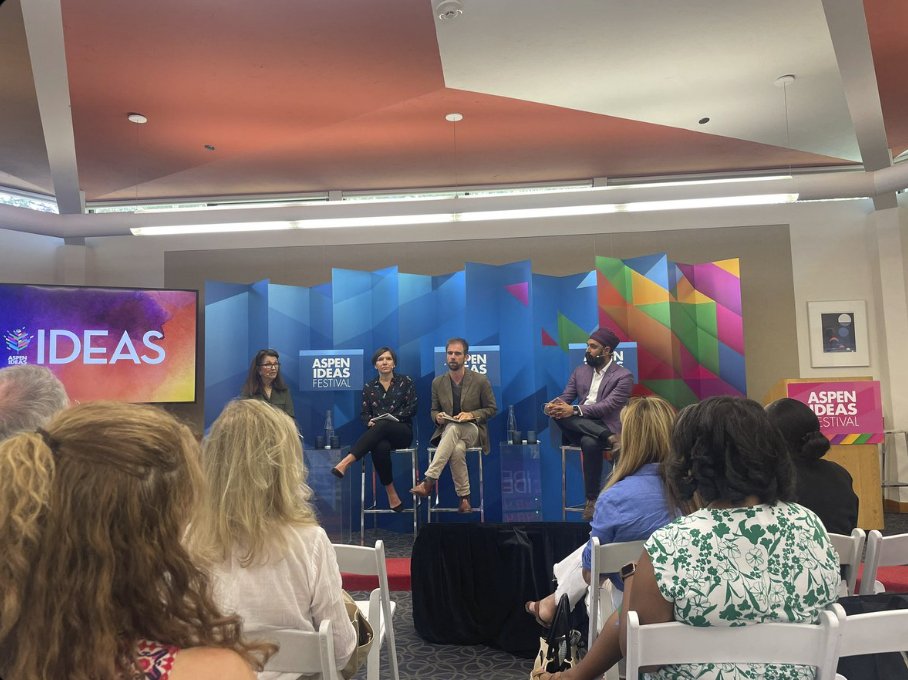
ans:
x=588 y=510
x=424 y=488
x=465 y=505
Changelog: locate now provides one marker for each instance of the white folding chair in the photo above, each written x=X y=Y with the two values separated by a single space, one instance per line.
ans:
x=607 y=559
x=882 y=551
x=378 y=609
x=778 y=643
x=304 y=652
x=873 y=633
x=850 y=549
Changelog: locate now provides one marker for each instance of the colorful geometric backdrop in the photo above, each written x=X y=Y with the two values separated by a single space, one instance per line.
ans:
x=686 y=320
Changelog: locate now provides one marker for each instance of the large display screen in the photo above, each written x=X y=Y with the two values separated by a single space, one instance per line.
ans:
x=125 y=344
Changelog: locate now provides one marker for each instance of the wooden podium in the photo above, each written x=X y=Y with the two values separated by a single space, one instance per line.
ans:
x=861 y=460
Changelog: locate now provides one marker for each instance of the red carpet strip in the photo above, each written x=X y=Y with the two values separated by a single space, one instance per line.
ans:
x=894 y=579
x=398 y=577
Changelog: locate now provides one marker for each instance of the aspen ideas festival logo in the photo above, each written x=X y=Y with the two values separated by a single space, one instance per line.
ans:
x=16 y=341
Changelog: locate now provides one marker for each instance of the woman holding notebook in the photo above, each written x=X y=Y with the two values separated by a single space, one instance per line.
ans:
x=389 y=404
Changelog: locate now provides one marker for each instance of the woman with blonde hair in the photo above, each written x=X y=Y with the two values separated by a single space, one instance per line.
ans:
x=272 y=562
x=94 y=582
x=632 y=505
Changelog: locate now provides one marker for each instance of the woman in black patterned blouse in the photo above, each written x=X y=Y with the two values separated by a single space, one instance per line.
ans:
x=389 y=404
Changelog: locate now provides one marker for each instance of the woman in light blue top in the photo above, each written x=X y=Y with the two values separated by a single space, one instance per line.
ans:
x=632 y=505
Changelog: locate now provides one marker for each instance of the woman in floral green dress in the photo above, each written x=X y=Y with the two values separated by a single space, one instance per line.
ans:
x=748 y=555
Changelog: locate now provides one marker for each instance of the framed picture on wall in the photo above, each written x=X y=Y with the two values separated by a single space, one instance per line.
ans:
x=838 y=333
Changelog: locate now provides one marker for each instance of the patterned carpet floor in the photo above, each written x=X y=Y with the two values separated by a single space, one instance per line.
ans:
x=420 y=659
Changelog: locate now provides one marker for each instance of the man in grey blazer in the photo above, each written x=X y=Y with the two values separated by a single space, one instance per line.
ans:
x=601 y=388
x=462 y=403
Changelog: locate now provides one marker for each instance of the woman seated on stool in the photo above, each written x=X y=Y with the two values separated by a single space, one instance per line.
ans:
x=94 y=580
x=633 y=504
x=264 y=381
x=821 y=485
x=750 y=555
x=390 y=394
x=272 y=563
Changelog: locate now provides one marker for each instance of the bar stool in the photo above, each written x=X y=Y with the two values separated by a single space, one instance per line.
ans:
x=433 y=507
x=884 y=483
x=565 y=508
x=372 y=509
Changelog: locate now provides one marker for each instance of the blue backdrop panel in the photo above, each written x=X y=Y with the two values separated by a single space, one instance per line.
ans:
x=560 y=303
x=226 y=344
x=288 y=330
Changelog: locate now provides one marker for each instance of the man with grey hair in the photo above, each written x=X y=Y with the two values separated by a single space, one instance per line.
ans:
x=30 y=396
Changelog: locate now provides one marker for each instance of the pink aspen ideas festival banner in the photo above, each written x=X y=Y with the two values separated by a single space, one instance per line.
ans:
x=850 y=412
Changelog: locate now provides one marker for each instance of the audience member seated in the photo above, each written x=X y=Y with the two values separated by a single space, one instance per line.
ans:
x=632 y=505
x=389 y=404
x=94 y=581
x=29 y=397
x=749 y=555
x=272 y=562
x=264 y=381
x=821 y=485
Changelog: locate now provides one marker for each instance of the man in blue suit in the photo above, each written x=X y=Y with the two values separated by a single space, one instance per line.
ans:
x=601 y=388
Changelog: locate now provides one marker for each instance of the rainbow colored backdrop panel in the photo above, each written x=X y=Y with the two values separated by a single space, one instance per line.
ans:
x=104 y=343
x=686 y=319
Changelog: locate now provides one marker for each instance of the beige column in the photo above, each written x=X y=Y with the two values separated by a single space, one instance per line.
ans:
x=888 y=245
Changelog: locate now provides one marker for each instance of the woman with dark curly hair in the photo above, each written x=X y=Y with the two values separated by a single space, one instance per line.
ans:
x=748 y=555
x=95 y=583
x=821 y=485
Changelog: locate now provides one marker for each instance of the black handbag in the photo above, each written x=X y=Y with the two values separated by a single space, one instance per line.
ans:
x=563 y=647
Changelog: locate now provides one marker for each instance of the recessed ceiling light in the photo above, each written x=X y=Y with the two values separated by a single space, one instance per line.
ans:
x=446 y=10
x=454 y=117
x=136 y=118
x=704 y=120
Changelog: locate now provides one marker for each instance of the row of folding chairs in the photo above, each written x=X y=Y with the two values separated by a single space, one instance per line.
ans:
x=882 y=551
x=304 y=652
x=819 y=645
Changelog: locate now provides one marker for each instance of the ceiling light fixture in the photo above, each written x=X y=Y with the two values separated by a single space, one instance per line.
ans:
x=137 y=118
x=448 y=10
x=454 y=117
x=787 y=79
x=476 y=216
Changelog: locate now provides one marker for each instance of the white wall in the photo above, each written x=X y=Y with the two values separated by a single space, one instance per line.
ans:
x=28 y=258
x=831 y=261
